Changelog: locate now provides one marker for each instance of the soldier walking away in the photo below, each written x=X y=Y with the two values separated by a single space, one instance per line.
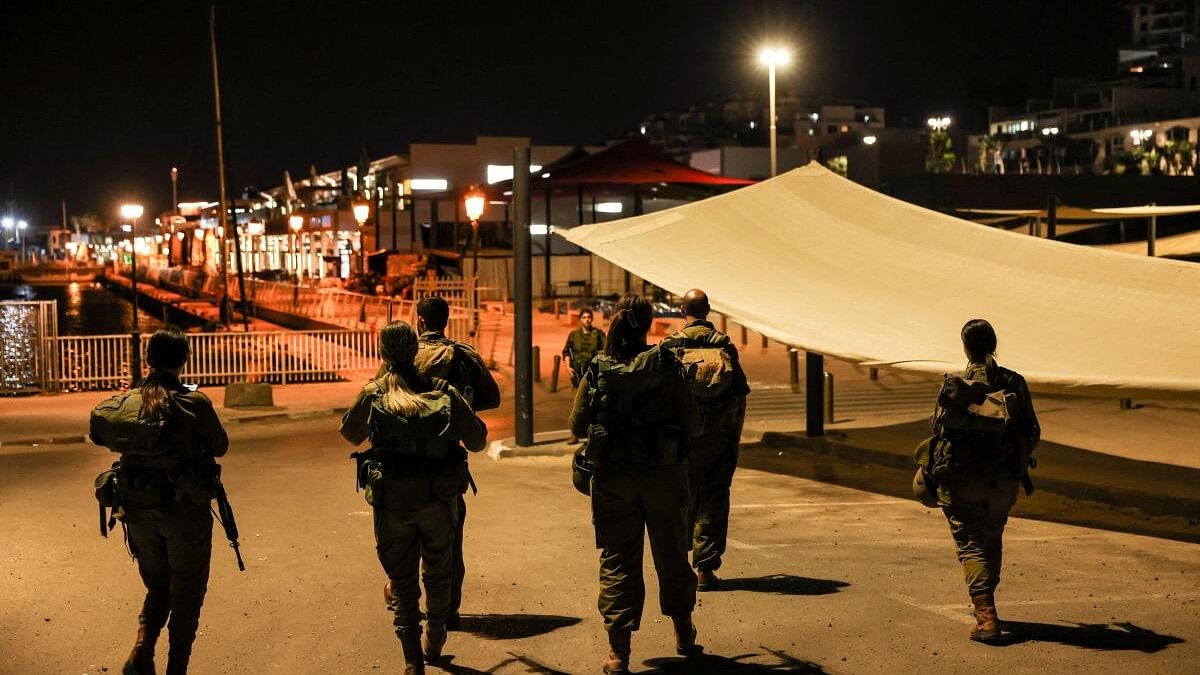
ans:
x=411 y=475
x=985 y=431
x=635 y=409
x=167 y=434
x=459 y=364
x=711 y=367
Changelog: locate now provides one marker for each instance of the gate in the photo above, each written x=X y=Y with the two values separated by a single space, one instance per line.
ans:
x=28 y=346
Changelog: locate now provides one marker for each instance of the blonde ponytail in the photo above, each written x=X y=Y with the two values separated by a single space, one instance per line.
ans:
x=400 y=398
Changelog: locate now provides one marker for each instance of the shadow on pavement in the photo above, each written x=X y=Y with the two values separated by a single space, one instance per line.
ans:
x=532 y=666
x=513 y=626
x=783 y=584
x=1100 y=636
x=711 y=664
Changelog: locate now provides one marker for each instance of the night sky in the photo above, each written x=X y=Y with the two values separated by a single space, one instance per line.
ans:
x=99 y=99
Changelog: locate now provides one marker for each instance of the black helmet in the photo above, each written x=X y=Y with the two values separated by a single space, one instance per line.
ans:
x=581 y=471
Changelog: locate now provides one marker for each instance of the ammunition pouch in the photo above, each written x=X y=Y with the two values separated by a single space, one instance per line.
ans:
x=406 y=485
x=143 y=487
x=108 y=498
x=582 y=470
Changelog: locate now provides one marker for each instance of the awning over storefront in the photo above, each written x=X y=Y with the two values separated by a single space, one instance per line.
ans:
x=816 y=261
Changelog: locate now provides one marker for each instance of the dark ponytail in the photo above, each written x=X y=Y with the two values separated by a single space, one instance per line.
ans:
x=979 y=340
x=167 y=351
x=627 y=332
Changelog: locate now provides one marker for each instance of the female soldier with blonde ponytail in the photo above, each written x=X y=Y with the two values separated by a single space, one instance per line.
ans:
x=417 y=428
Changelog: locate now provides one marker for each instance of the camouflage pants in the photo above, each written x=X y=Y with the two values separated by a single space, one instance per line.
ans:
x=412 y=543
x=712 y=460
x=458 y=566
x=977 y=512
x=626 y=504
x=173 y=546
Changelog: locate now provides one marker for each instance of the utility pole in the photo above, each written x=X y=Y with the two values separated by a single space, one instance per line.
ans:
x=523 y=304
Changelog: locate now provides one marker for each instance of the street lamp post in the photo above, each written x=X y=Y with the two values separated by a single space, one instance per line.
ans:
x=771 y=57
x=132 y=212
x=362 y=211
x=475 y=203
x=22 y=237
x=295 y=223
x=175 y=190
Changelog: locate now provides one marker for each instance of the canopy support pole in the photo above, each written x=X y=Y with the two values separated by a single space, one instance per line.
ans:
x=1152 y=235
x=548 y=291
x=1051 y=217
x=814 y=394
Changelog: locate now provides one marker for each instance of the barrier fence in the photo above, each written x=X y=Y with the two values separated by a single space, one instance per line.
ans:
x=104 y=361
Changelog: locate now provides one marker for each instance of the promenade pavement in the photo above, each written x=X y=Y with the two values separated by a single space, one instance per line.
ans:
x=820 y=578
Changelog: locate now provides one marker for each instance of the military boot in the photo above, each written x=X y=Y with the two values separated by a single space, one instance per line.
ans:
x=435 y=639
x=707 y=580
x=410 y=642
x=141 y=659
x=178 y=656
x=685 y=636
x=987 y=624
x=617 y=662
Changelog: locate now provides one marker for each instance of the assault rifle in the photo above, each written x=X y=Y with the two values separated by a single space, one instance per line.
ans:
x=225 y=516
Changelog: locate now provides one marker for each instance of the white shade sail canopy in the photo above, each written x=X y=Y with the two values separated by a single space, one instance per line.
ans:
x=816 y=261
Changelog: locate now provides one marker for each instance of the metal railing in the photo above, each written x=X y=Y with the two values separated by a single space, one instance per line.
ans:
x=104 y=361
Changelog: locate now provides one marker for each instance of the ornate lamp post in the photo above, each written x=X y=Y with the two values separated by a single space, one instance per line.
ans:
x=475 y=202
x=362 y=211
x=295 y=224
x=132 y=212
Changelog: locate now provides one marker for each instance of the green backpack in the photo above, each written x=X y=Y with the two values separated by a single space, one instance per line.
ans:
x=630 y=412
x=118 y=424
x=427 y=433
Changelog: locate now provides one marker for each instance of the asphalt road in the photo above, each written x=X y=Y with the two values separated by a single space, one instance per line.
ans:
x=822 y=579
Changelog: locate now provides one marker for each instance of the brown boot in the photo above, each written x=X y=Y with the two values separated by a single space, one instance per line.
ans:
x=685 y=636
x=707 y=580
x=178 y=656
x=141 y=659
x=987 y=624
x=410 y=642
x=617 y=662
x=435 y=639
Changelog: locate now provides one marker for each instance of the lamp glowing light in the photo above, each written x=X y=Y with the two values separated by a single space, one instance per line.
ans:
x=870 y=140
x=474 y=202
x=774 y=56
x=131 y=211
x=255 y=228
x=362 y=210
x=295 y=222
x=608 y=207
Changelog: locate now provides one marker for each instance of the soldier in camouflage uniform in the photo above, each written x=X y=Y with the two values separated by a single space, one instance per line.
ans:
x=459 y=364
x=582 y=344
x=165 y=503
x=415 y=496
x=977 y=497
x=712 y=456
x=635 y=408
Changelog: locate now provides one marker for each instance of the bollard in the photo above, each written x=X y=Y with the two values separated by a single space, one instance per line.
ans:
x=874 y=373
x=829 y=397
x=1126 y=404
x=794 y=369
x=764 y=342
x=744 y=338
x=554 y=373
x=814 y=367
x=557 y=312
x=537 y=363
x=362 y=311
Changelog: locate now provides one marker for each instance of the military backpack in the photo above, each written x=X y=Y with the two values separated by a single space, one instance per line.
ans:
x=706 y=364
x=629 y=411
x=435 y=358
x=425 y=433
x=118 y=423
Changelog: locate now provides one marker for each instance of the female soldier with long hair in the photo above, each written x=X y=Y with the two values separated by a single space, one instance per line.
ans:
x=417 y=427
x=165 y=493
x=978 y=493
x=633 y=406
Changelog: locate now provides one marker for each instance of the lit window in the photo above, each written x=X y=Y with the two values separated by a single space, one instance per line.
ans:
x=608 y=207
x=433 y=183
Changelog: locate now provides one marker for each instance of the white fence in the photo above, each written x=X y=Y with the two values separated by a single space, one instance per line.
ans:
x=104 y=361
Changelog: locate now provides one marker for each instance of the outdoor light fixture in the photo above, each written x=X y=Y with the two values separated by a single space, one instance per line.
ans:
x=362 y=210
x=538 y=229
x=131 y=211
x=474 y=202
x=295 y=222
x=255 y=228
x=869 y=140
x=21 y=224
x=8 y=222
x=772 y=56
x=608 y=207
x=1050 y=131
x=180 y=236
x=126 y=227
x=938 y=123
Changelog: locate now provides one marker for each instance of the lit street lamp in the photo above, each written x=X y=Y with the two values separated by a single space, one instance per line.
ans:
x=132 y=212
x=21 y=237
x=362 y=211
x=475 y=202
x=939 y=123
x=771 y=57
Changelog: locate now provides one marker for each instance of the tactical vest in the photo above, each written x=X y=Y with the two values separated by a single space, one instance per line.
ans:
x=633 y=421
x=426 y=433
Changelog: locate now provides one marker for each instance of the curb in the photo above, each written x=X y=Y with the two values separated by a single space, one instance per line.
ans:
x=1152 y=504
x=545 y=444
x=68 y=439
